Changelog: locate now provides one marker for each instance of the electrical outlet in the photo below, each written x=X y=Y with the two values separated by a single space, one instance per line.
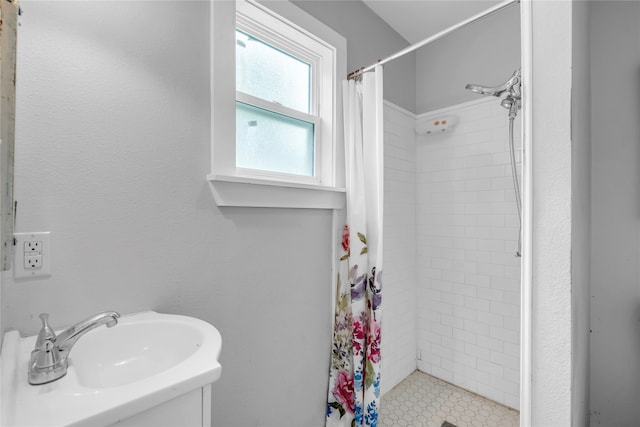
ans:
x=32 y=262
x=33 y=246
x=32 y=255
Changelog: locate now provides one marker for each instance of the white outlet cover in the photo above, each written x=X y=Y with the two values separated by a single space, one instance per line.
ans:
x=19 y=248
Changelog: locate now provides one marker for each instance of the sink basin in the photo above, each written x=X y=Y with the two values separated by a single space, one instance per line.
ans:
x=111 y=357
x=147 y=359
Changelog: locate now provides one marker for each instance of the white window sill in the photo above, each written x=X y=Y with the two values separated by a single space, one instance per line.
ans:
x=264 y=193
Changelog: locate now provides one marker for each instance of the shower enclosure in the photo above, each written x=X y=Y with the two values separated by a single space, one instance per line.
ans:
x=467 y=234
x=453 y=223
x=451 y=231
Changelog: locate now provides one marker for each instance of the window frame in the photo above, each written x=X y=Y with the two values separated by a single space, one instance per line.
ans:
x=232 y=186
x=280 y=33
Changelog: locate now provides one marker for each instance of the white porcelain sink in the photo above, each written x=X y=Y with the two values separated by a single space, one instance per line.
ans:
x=147 y=359
x=111 y=357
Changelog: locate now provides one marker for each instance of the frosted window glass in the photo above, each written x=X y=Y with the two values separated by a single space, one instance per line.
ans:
x=272 y=142
x=271 y=74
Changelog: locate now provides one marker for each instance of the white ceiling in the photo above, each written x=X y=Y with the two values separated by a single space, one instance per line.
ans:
x=416 y=20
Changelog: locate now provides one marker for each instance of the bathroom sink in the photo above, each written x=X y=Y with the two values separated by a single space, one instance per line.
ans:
x=147 y=359
x=132 y=351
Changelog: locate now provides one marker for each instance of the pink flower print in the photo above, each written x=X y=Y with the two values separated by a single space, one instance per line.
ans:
x=358 y=330
x=343 y=390
x=374 y=343
x=345 y=238
x=359 y=334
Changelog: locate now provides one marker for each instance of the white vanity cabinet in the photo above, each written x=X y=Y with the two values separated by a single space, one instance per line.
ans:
x=192 y=409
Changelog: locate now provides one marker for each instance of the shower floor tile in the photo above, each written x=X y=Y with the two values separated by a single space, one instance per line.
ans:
x=424 y=401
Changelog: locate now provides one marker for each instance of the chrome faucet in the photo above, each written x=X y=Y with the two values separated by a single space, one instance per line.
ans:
x=49 y=358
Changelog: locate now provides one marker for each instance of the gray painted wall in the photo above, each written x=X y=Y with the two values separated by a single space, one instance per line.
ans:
x=112 y=152
x=615 y=278
x=580 y=212
x=486 y=52
x=369 y=38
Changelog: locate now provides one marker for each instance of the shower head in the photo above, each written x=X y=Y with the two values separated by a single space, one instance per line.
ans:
x=482 y=90
x=510 y=87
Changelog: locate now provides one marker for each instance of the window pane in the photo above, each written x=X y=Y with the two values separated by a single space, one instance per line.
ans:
x=272 y=142
x=271 y=74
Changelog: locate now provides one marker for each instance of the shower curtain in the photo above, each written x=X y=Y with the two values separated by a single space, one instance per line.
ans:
x=354 y=380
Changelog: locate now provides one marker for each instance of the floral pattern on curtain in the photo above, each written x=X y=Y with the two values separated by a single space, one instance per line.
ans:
x=354 y=381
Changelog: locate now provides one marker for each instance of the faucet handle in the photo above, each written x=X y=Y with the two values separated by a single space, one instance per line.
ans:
x=47 y=355
x=46 y=333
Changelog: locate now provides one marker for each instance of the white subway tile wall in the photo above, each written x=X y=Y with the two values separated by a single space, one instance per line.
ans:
x=468 y=279
x=451 y=280
x=399 y=327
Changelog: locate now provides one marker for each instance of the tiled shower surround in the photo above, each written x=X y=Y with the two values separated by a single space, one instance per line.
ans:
x=452 y=282
x=399 y=327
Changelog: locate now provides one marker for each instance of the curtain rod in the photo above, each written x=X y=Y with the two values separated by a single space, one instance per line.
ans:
x=434 y=37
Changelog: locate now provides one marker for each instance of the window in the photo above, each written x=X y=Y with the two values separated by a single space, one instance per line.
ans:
x=287 y=71
x=285 y=79
x=275 y=127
